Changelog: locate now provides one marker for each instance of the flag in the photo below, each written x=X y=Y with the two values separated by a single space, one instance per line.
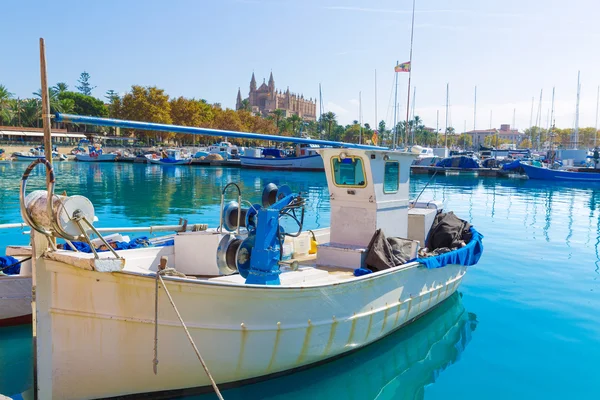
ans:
x=374 y=138
x=404 y=67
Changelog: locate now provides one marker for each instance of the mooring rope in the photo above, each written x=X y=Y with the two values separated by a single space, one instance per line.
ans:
x=425 y=187
x=163 y=270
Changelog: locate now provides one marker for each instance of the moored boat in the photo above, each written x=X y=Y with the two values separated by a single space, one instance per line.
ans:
x=15 y=291
x=250 y=313
x=169 y=157
x=570 y=175
x=37 y=153
x=305 y=158
x=94 y=153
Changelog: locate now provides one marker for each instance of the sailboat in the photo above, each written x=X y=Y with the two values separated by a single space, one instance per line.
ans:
x=567 y=173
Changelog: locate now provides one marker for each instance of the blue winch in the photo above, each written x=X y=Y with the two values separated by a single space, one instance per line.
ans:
x=256 y=257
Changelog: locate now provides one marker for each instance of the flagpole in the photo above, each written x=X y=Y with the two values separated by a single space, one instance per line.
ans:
x=412 y=30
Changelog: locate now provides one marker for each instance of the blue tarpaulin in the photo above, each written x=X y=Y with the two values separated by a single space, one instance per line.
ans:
x=15 y=265
x=512 y=166
x=468 y=255
x=133 y=244
x=458 y=162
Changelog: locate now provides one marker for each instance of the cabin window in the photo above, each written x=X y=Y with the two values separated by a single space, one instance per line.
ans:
x=349 y=171
x=391 y=177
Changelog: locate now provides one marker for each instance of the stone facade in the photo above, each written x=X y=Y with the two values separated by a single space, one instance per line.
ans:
x=505 y=132
x=266 y=99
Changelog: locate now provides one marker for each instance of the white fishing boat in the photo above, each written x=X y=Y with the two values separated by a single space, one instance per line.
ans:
x=36 y=153
x=169 y=157
x=226 y=150
x=99 y=316
x=15 y=291
x=305 y=158
x=94 y=153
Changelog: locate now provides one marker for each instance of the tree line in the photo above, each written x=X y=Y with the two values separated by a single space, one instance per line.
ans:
x=152 y=104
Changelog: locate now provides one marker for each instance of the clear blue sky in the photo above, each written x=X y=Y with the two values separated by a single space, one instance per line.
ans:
x=510 y=49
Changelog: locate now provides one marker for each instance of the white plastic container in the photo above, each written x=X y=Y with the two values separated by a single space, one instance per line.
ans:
x=288 y=248
x=301 y=245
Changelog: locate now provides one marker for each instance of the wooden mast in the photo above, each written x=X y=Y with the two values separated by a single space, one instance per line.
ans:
x=45 y=108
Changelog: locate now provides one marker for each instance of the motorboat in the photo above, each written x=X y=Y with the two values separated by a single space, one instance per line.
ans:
x=169 y=157
x=249 y=312
x=94 y=153
x=569 y=174
x=225 y=149
x=303 y=158
x=36 y=153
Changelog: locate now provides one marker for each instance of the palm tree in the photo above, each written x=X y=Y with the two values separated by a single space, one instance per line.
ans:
x=278 y=114
x=329 y=119
x=61 y=87
x=295 y=120
x=5 y=97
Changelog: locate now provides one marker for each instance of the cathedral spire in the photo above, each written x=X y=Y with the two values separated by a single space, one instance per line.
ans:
x=238 y=103
x=271 y=83
x=253 y=83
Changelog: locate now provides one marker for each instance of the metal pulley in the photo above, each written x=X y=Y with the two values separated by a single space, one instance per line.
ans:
x=65 y=211
x=53 y=215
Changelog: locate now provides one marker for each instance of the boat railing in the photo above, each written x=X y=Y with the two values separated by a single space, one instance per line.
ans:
x=184 y=226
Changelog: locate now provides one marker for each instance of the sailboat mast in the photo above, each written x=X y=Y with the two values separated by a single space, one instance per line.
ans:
x=376 y=122
x=538 y=122
x=360 y=118
x=395 y=135
x=320 y=113
x=412 y=31
x=412 y=140
x=437 y=127
x=551 y=133
x=596 y=128
x=475 y=111
x=446 y=130
x=575 y=138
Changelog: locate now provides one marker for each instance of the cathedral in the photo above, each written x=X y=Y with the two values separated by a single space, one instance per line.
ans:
x=265 y=99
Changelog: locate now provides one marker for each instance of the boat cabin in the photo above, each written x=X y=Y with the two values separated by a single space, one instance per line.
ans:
x=368 y=190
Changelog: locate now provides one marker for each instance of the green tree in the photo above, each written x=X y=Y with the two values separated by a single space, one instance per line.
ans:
x=148 y=104
x=84 y=84
x=5 y=97
x=295 y=121
x=61 y=87
x=277 y=116
x=525 y=144
x=191 y=112
x=329 y=121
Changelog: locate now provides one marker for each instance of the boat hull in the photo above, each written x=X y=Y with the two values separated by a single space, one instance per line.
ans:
x=160 y=162
x=99 y=331
x=306 y=163
x=98 y=158
x=20 y=157
x=558 y=175
x=15 y=300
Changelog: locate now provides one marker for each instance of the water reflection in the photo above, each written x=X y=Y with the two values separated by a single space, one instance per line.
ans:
x=16 y=357
x=396 y=367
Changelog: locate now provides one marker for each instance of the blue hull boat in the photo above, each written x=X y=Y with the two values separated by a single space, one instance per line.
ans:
x=558 y=175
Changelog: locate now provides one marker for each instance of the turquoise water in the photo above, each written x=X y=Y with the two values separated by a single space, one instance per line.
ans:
x=525 y=325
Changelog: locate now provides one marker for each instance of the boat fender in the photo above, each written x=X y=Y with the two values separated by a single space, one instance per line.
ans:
x=313 y=244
